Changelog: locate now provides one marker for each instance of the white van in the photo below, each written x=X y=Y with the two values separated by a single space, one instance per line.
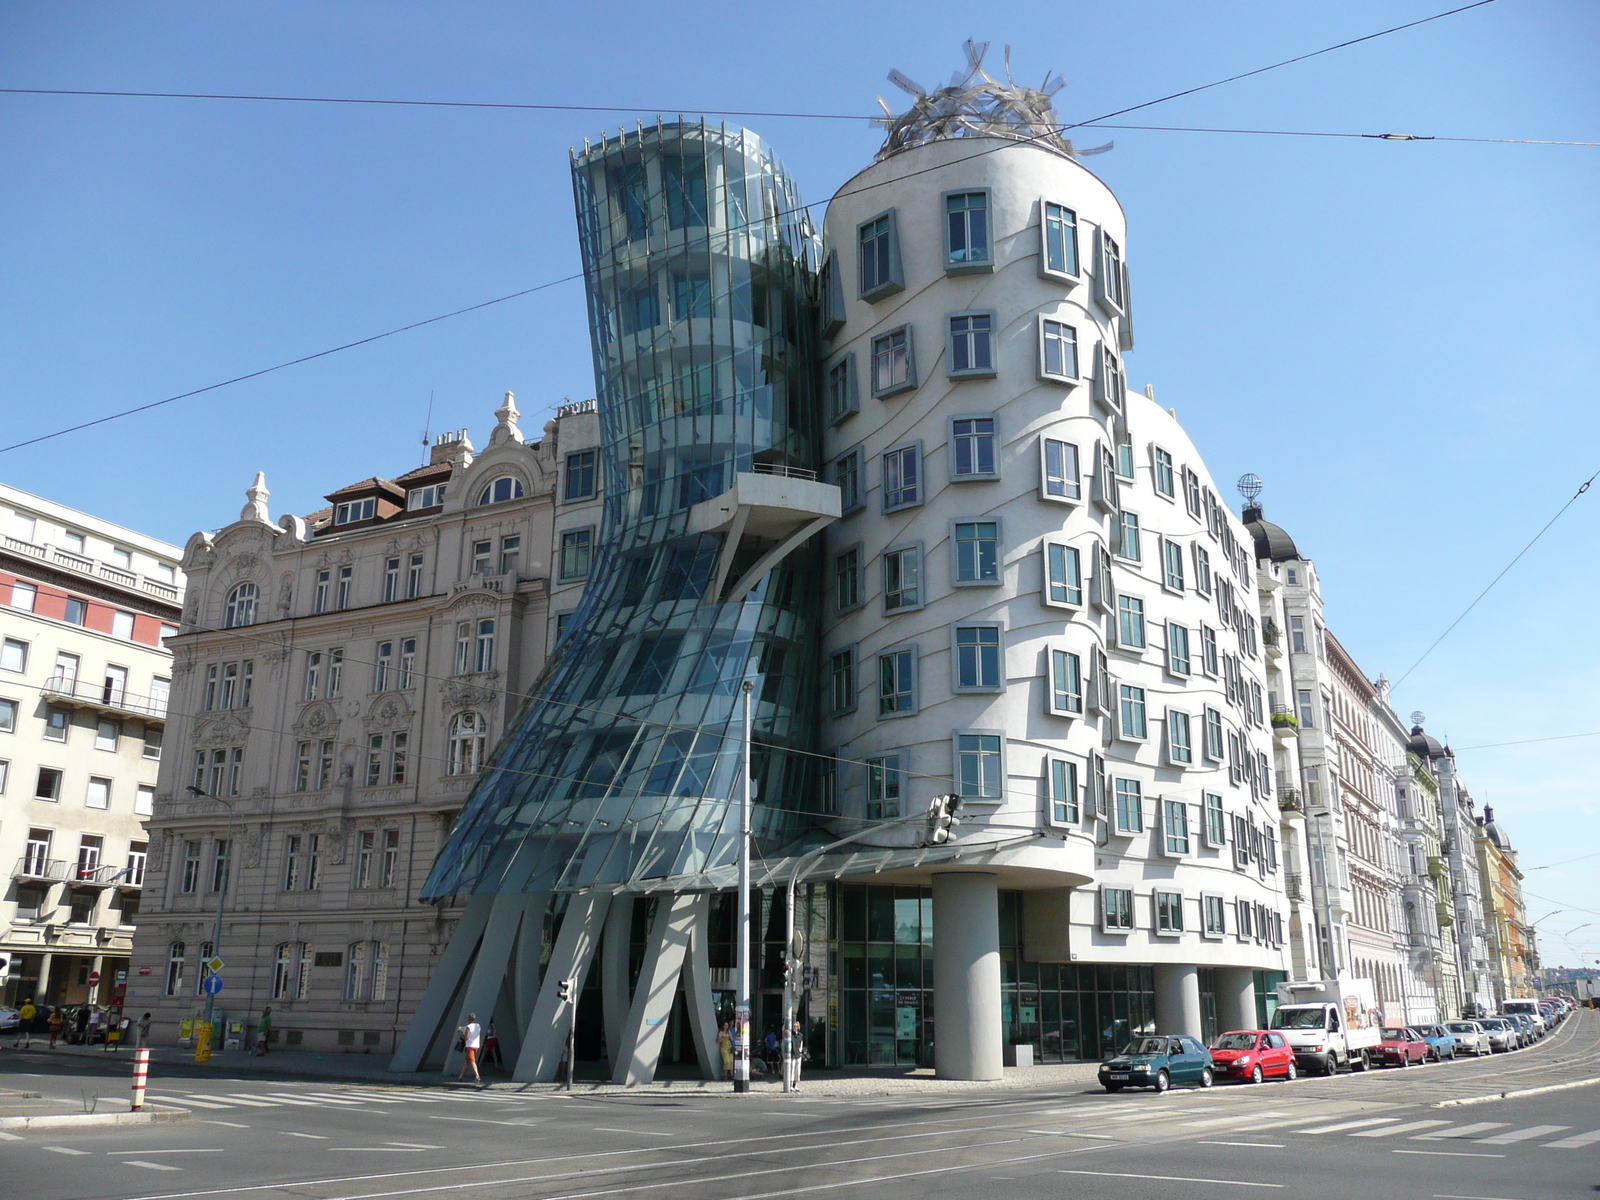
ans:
x=1529 y=1009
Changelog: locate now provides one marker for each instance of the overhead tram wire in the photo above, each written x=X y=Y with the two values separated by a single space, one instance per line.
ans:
x=1053 y=132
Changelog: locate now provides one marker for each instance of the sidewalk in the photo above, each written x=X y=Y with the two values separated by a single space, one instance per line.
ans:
x=371 y=1068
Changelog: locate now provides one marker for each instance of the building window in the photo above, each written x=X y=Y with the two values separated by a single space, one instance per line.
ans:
x=319 y=593
x=1175 y=827
x=189 y=876
x=966 y=244
x=974 y=442
x=1216 y=825
x=1063 y=575
x=374 y=760
x=884 y=778
x=1213 y=734
x=106 y=735
x=576 y=547
x=1178 y=662
x=1058 y=351
x=1131 y=707
x=99 y=793
x=335 y=671
x=1180 y=739
x=510 y=554
x=345 y=582
x=408 y=663
x=57 y=721
x=144 y=801
x=893 y=368
x=1306 y=711
x=1063 y=480
x=77 y=611
x=879 y=251
x=842 y=674
x=1059 y=240
x=1172 y=555
x=971 y=344
x=1297 y=634
x=14 y=655
x=1130 y=806
x=1208 y=651
x=425 y=497
x=1128 y=543
x=1164 y=479
x=1202 y=570
x=977 y=551
x=977 y=649
x=500 y=490
x=482 y=553
x=1116 y=909
x=383 y=666
x=240 y=609
x=23 y=595
x=841 y=389
x=48 y=785
x=483 y=645
x=847 y=579
x=847 y=474
x=1063 y=791
x=902 y=478
x=902 y=571
x=979 y=770
x=221 y=865
x=897 y=682
x=1109 y=289
x=8 y=716
x=366 y=857
x=1066 y=683
x=1110 y=384
x=414 y=577
x=355 y=510
x=1169 y=912
x=177 y=952
x=1130 y=623
x=469 y=737
x=579 y=482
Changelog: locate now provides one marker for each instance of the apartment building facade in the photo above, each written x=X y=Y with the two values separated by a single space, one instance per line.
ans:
x=86 y=610
x=339 y=680
x=1505 y=915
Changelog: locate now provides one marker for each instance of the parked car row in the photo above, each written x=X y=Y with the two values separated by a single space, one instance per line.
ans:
x=1158 y=1061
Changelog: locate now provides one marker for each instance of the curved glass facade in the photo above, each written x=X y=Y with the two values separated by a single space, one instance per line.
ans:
x=621 y=766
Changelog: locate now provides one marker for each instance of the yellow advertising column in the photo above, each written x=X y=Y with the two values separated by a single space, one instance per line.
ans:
x=202 y=1041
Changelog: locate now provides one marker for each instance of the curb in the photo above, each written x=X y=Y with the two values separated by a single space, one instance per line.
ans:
x=81 y=1120
x=1553 y=1087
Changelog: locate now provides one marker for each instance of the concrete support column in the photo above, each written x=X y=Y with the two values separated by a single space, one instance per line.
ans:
x=614 y=953
x=1177 y=998
x=41 y=988
x=1236 y=999
x=966 y=976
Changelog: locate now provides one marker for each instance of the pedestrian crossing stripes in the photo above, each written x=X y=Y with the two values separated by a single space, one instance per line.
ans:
x=348 y=1099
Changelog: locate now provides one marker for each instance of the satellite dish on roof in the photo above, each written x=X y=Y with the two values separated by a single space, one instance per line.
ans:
x=1249 y=487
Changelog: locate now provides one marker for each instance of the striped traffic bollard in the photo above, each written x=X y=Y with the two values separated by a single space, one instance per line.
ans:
x=141 y=1069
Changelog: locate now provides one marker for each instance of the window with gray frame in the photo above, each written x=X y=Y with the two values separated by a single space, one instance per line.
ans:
x=879 y=252
x=966 y=242
x=1169 y=912
x=1212 y=719
x=1180 y=739
x=1129 y=544
x=973 y=442
x=1058 y=240
x=977 y=551
x=1130 y=623
x=897 y=681
x=893 y=367
x=841 y=389
x=577 y=547
x=843 y=678
x=1178 y=661
x=885 y=775
x=1216 y=924
x=1063 y=791
x=979 y=771
x=1066 y=683
x=847 y=475
x=1063 y=572
x=978 y=658
x=1174 y=827
x=1172 y=555
x=1216 y=823
x=1109 y=283
x=1129 y=806
x=1161 y=463
x=1133 y=724
x=1110 y=385
x=902 y=579
x=970 y=344
x=1058 y=351
x=1063 y=480
x=847 y=579
x=902 y=477
x=1116 y=909
x=579 y=483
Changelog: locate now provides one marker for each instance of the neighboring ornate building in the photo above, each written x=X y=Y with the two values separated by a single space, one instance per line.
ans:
x=1505 y=915
x=339 y=680
x=85 y=610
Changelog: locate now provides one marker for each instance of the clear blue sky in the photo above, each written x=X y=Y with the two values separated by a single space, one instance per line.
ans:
x=1398 y=337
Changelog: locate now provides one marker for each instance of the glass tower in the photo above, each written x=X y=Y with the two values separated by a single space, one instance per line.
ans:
x=620 y=769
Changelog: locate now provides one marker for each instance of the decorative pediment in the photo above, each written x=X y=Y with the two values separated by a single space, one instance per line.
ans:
x=227 y=729
x=389 y=711
x=317 y=719
x=470 y=691
x=472 y=598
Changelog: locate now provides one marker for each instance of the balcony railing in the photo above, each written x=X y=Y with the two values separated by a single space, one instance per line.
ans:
x=37 y=866
x=84 y=565
x=1290 y=800
x=104 y=698
x=783 y=469
x=1294 y=885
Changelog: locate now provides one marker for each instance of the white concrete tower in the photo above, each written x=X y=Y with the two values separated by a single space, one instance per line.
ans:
x=1034 y=591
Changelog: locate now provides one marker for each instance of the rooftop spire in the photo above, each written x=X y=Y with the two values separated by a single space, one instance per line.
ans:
x=506 y=430
x=256 y=509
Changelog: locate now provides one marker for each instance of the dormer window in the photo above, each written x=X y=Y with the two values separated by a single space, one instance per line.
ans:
x=355 y=510
x=500 y=490
x=425 y=497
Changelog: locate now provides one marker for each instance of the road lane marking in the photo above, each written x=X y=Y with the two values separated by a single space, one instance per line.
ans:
x=285 y=1098
x=1520 y=1135
x=1257 y=1145
x=1573 y=1142
x=10 y=1137
x=1103 y=1137
x=1447 y=1153
x=150 y=1166
x=229 y=1124
x=326 y=1098
x=1410 y=1127
x=1173 y=1178
x=240 y=1098
x=194 y=1100
x=1460 y=1131
x=202 y=1150
x=63 y=1150
x=488 y=1120
x=292 y=1133
x=1343 y=1125
x=645 y=1132
x=1236 y=1119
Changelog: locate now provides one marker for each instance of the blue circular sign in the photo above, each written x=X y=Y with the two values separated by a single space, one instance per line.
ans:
x=212 y=985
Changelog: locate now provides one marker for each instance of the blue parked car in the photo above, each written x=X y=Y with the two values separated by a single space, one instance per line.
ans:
x=1441 y=1042
x=1158 y=1060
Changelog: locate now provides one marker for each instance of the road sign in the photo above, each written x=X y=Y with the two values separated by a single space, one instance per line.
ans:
x=212 y=985
x=94 y=978
x=215 y=965
x=144 y=970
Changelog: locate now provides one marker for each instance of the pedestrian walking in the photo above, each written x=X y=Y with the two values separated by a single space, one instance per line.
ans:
x=469 y=1040
x=80 y=1025
x=25 y=1016
x=725 y=1050
x=798 y=1054
x=263 y=1030
x=491 y=1046
x=55 y=1026
x=770 y=1045
x=144 y=1031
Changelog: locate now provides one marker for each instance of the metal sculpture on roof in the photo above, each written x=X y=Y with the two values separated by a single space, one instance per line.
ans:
x=975 y=104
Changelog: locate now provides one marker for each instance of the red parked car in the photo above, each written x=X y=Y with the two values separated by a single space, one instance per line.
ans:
x=1401 y=1047
x=1252 y=1054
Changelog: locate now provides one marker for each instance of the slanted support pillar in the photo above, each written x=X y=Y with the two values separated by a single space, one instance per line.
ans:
x=615 y=948
x=448 y=973
x=546 y=1035
x=488 y=979
x=640 y=1052
x=966 y=975
x=697 y=990
x=1178 y=998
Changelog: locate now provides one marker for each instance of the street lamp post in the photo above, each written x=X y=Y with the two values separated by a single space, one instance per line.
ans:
x=222 y=895
x=741 y=998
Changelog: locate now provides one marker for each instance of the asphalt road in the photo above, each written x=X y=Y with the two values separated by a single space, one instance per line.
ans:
x=1378 y=1135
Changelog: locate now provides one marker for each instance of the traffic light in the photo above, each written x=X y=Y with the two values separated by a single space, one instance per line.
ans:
x=942 y=812
x=568 y=990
